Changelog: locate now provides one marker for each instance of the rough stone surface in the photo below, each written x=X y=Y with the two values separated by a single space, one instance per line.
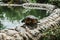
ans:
x=20 y=33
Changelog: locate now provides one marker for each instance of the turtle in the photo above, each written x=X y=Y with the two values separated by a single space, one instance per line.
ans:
x=30 y=21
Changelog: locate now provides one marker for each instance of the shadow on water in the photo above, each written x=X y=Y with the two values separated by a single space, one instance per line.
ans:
x=12 y=16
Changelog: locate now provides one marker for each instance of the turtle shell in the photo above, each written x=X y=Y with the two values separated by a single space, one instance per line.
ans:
x=30 y=17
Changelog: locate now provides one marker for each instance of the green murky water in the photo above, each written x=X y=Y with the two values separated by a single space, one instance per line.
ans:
x=11 y=17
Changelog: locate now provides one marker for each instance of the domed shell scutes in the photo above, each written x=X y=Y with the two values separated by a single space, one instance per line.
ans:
x=31 y=17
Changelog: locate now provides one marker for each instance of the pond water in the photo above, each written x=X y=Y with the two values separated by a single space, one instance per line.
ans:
x=11 y=17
